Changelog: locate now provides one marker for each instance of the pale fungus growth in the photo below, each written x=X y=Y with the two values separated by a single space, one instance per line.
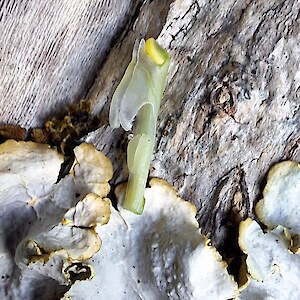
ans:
x=160 y=254
x=273 y=260
x=280 y=203
x=65 y=239
x=46 y=226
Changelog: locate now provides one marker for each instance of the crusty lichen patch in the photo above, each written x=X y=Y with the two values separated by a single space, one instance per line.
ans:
x=273 y=259
x=46 y=226
x=52 y=230
x=92 y=170
x=65 y=132
x=280 y=204
x=160 y=254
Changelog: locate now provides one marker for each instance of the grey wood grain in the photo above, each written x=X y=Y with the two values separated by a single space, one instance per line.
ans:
x=50 y=52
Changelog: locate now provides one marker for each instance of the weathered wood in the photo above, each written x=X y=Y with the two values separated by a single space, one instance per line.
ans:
x=231 y=106
x=50 y=52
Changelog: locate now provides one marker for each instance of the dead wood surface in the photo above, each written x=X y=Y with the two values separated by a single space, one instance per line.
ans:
x=231 y=106
x=50 y=52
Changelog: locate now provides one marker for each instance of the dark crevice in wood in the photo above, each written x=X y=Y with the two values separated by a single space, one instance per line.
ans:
x=235 y=208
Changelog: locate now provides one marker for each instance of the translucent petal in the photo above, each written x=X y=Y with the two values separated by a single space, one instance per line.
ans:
x=121 y=89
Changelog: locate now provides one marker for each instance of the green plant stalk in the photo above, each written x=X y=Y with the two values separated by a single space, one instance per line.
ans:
x=140 y=150
x=139 y=94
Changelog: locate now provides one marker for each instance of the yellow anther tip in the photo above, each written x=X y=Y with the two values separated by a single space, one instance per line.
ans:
x=156 y=52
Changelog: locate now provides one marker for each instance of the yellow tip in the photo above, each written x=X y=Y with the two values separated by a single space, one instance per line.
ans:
x=156 y=52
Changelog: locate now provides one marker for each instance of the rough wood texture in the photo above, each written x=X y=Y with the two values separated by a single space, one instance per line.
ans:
x=231 y=107
x=50 y=52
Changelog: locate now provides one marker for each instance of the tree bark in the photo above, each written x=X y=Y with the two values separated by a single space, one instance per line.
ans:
x=231 y=105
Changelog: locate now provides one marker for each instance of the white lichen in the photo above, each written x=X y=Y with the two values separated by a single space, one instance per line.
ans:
x=45 y=225
x=160 y=254
x=273 y=259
